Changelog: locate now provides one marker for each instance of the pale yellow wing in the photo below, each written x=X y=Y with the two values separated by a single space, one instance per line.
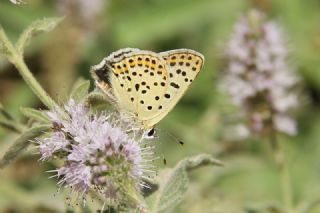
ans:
x=145 y=83
x=137 y=79
x=183 y=66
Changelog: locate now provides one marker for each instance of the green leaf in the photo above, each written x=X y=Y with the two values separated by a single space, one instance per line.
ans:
x=80 y=90
x=43 y=25
x=174 y=184
x=8 y=122
x=4 y=113
x=199 y=161
x=22 y=143
x=98 y=101
x=36 y=115
x=174 y=189
x=10 y=125
x=95 y=99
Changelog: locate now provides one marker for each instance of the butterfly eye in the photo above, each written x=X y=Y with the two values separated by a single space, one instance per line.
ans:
x=151 y=132
x=102 y=75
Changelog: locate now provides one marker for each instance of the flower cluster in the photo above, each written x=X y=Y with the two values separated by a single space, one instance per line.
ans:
x=98 y=154
x=84 y=10
x=17 y=1
x=257 y=76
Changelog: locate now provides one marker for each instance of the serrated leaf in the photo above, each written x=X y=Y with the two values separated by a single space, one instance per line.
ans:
x=36 y=115
x=43 y=25
x=22 y=143
x=80 y=90
x=174 y=185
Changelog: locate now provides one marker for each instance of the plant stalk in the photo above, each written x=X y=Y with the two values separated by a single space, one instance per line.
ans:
x=33 y=83
x=282 y=166
x=17 y=59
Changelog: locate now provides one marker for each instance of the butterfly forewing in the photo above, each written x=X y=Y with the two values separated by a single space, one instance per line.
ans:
x=139 y=80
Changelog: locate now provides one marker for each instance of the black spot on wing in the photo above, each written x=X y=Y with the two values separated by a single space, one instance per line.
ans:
x=137 y=87
x=167 y=95
x=174 y=85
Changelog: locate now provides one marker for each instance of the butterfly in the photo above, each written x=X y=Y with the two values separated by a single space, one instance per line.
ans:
x=147 y=84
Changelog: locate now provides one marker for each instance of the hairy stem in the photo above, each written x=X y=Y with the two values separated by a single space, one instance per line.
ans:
x=17 y=59
x=282 y=166
x=33 y=83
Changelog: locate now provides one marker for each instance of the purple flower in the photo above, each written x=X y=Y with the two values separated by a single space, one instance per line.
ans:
x=75 y=175
x=258 y=78
x=97 y=152
x=86 y=11
x=17 y=1
x=49 y=146
x=285 y=124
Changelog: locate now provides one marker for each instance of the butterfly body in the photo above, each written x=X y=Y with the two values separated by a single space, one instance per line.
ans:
x=145 y=83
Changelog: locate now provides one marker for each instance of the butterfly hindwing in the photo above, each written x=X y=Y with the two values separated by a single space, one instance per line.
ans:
x=183 y=65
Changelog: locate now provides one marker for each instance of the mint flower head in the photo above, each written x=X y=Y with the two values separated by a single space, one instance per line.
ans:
x=86 y=11
x=17 y=1
x=257 y=77
x=99 y=155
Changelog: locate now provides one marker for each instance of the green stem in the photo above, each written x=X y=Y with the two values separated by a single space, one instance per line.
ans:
x=282 y=165
x=24 y=71
x=34 y=84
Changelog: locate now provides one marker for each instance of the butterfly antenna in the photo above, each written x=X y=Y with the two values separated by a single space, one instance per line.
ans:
x=152 y=134
x=172 y=137
x=164 y=160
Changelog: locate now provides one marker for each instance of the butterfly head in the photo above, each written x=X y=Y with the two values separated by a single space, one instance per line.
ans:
x=100 y=72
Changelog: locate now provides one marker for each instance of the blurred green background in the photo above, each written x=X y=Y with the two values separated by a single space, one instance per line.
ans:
x=249 y=181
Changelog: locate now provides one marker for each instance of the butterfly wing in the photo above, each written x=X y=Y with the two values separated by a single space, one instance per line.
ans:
x=145 y=83
x=183 y=66
x=137 y=79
